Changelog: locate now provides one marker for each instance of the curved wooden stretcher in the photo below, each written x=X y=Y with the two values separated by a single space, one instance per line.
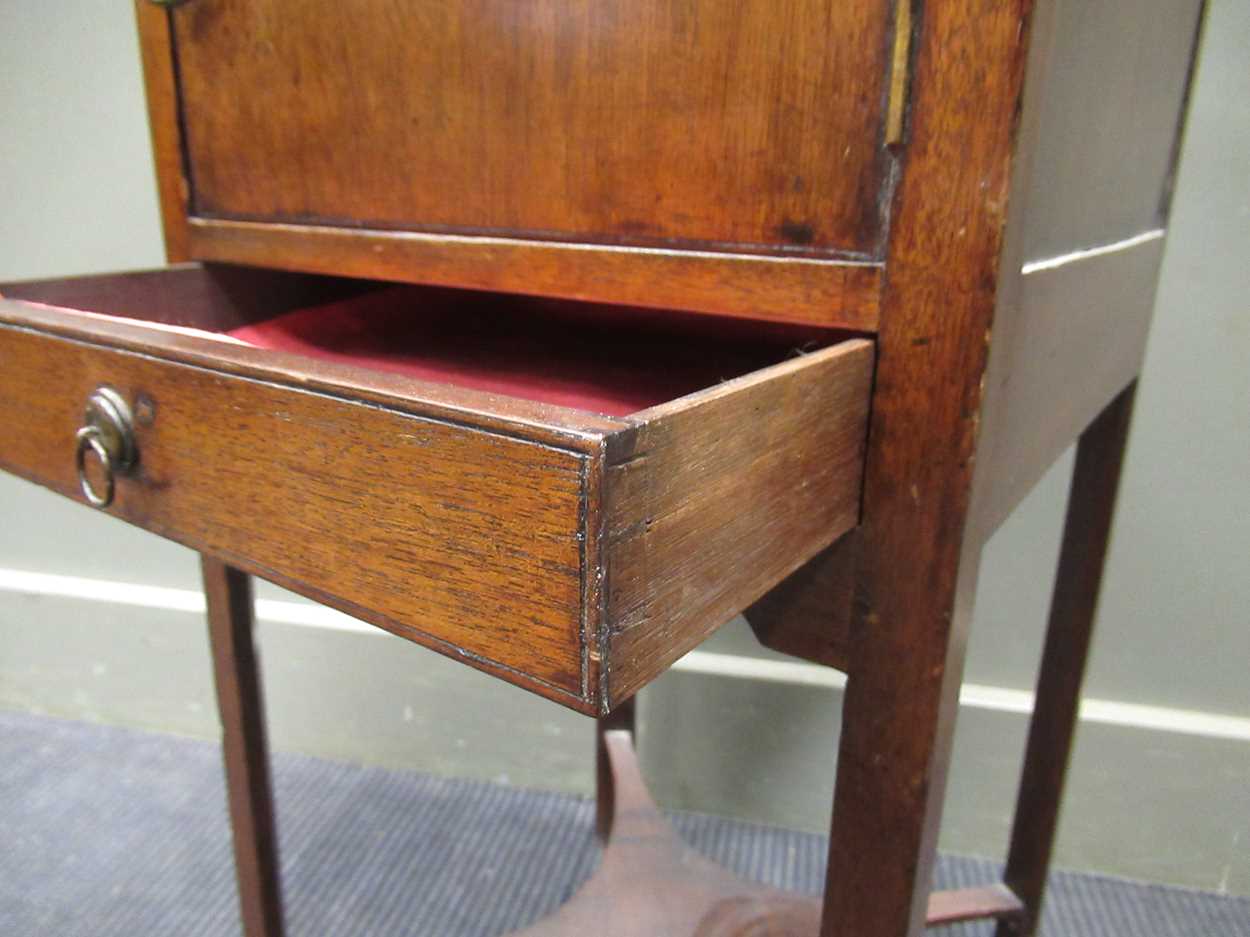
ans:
x=651 y=882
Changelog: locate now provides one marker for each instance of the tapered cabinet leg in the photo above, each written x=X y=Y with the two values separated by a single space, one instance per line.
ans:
x=1091 y=503
x=897 y=726
x=229 y=597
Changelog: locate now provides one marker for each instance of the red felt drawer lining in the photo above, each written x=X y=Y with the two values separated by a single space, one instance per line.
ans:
x=602 y=359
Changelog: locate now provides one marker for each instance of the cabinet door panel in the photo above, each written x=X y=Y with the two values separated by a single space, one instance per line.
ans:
x=752 y=125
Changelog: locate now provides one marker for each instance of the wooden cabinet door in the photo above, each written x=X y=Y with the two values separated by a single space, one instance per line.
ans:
x=751 y=125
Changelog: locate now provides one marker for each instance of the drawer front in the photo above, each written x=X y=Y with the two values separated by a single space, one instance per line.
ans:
x=751 y=126
x=435 y=531
x=575 y=554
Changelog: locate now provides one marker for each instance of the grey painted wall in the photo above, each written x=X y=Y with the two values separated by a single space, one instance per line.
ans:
x=76 y=195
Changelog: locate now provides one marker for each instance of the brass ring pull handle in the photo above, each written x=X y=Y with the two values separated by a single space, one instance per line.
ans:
x=89 y=439
x=108 y=434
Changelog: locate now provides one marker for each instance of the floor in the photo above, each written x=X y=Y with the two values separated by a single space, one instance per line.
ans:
x=110 y=832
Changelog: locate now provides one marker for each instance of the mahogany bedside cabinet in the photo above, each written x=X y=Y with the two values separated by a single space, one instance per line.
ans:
x=552 y=334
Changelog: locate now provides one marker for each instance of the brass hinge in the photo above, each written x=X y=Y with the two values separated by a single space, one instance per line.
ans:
x=900 y=75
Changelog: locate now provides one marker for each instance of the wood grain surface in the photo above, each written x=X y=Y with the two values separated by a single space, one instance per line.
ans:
x=1098 y=139
x=917 y=572
x=837 y=294
x=161 y=85
x=751 y=125
x=537 y=421
x=574 y=554
x=212 y=297
x=808 y=614
x=245 y=749
x=435 y=531
x=717 y=497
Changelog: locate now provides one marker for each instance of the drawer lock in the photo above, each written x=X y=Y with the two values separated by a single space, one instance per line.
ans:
x=108 y=434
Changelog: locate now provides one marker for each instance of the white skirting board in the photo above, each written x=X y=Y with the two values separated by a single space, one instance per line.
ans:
x=1155 y=794
x=734 y=666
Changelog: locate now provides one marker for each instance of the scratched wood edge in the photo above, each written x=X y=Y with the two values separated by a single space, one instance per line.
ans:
x=592 y=526
x=695 y=481
x=835 y=294
x=161 y=87
x=559 y=427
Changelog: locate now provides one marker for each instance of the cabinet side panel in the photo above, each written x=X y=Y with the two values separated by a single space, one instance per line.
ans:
x=1078 y=339
x=1103 y=114
x=1108 y=122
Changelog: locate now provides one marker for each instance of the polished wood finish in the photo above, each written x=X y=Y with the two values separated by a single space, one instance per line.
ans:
x=428 y=509
x=539 y=119
x=212 y=297
x=650 y=882
x=161 y=83
x=1086 y=533
x=841 y=294
x=419 y=526
x=808 y=613
x=1100 y=132
x=913 y=592
x=754 y=476
x=439 y=175
x=911 y=171
x=236 y=669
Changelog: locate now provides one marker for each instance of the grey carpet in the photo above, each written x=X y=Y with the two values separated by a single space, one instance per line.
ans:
x=115 y=833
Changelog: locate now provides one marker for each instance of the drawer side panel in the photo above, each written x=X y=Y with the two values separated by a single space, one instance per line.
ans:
x=717 y=498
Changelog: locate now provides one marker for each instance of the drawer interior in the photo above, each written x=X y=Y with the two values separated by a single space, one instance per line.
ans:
x=603 y=359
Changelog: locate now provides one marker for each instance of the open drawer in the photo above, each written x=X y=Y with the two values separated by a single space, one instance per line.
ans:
x=564 y=495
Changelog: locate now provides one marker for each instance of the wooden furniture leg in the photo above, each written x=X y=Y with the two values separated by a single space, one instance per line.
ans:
x=897 y=728
x=1091 y=504
x=228 y=593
